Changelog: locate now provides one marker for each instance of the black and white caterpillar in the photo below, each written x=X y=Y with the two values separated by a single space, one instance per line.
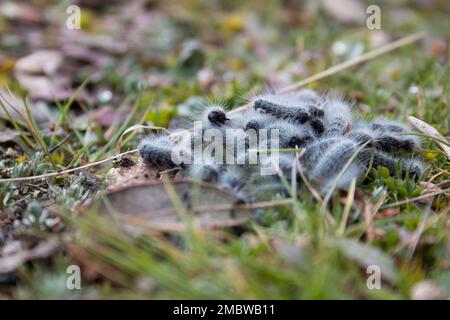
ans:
x=334 y=144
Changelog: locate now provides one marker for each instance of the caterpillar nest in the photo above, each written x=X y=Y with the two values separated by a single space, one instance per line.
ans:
x=243 y=153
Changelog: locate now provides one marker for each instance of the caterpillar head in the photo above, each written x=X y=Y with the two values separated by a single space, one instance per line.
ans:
x=214 y=116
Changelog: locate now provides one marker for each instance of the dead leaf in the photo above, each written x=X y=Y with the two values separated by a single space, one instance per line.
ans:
x=22 y=11
x=40 y=111
x=93 y=41
x=93 y=269
x=46 y=88
x=427 y=290
x=431 y=131
x=44 y=249
x=39 y=73
x=106 y=116
x=345 y=11
x=82 y=55
x=45 y=62
x=8 y=135
x=367 y=256
x=149 y=203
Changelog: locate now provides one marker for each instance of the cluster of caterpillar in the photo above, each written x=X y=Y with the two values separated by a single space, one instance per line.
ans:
x=321 y=125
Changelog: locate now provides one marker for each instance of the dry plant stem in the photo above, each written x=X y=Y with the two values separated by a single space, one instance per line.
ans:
x=323 y=74
x=370 y=229
x=350 y=63
x=357 y=60
x=368 y=221
x=441 y=172
x=369 y=212
x=58 y=173
x=435 y=176
x=313 y=191
x=431 y=131
x=427 y=222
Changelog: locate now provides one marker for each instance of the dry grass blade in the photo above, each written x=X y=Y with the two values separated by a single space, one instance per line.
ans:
x=357 y=60
x=429 y=130
x=61 y=172
x=419 y=231
x=313 y=191
x=323 y=74
x=350 y=63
